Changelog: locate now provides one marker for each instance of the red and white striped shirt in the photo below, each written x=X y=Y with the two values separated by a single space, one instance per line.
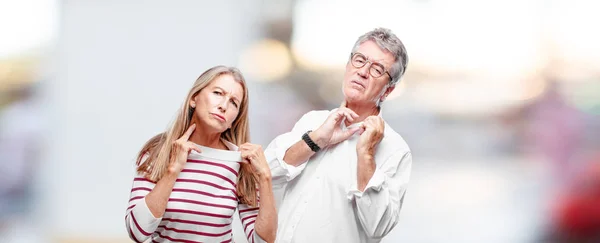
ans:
x=201 y=205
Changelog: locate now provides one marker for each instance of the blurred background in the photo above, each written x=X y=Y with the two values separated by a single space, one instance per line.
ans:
x=500 y=105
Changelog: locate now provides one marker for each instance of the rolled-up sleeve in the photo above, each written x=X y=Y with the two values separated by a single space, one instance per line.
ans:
x=139 y=220
x=282 y=172
x=378 y=206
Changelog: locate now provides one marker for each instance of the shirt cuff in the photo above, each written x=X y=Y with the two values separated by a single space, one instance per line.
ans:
x=375 y=184
x=144 y=216
x=291 y=171
x=281 y=168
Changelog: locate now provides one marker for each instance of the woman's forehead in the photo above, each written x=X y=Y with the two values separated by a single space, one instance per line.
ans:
x=227 y=83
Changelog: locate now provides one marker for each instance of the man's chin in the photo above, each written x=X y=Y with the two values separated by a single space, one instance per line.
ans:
x=352 y=94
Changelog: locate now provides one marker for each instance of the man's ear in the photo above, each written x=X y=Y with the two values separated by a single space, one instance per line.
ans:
x=387 y=92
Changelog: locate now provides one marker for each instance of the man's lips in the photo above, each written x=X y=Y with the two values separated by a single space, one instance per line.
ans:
x=358 y=83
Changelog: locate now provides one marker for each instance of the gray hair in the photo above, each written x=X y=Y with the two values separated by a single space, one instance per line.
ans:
x=386 y=40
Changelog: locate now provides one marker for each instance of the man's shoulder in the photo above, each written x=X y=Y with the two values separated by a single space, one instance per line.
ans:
x=392 y=141
x=316 y=115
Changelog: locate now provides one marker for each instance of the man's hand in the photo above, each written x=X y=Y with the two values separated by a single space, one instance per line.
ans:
x=330 y=132
x=372 y=134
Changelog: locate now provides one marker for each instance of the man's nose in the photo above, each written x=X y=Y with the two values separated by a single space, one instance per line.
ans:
x=364 y=71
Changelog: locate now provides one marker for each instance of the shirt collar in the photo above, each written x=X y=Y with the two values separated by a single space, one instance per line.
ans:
x=343 y=124
x=232 y=154
x=230 y=145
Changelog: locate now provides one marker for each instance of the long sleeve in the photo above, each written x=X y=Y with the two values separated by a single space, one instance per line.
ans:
x=139 y=220
x=281 y=171
x=248 y=217
x=378 y=206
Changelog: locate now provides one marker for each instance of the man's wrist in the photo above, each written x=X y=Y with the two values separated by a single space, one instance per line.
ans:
x=365 y=154
x=318 y=139
x=308 y=140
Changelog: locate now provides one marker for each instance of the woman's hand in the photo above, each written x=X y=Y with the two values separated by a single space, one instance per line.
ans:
x=254 y=155
x=181 y=149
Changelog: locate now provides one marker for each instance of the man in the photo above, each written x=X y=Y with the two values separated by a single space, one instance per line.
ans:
x=346 y=170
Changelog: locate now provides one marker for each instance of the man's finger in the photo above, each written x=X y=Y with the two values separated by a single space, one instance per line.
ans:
x=348 y=133
x=343 y=105
x=188 y=133
x=349 y=117
x=351 y=112
x=337 y=117
x=361 y=129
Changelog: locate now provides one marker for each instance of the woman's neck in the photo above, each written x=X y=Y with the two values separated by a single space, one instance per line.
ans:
x=206 y=139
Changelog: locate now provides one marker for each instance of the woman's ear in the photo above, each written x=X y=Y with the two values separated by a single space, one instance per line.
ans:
x=193 y=101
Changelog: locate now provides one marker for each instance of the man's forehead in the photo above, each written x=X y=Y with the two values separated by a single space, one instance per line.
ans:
x=372 y=51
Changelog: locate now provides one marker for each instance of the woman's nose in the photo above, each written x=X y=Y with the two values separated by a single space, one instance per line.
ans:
x=223 y=105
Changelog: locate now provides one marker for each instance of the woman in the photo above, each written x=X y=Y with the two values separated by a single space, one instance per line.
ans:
x=191 y=178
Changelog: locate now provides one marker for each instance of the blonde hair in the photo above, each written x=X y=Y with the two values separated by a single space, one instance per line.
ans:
x=154 y=158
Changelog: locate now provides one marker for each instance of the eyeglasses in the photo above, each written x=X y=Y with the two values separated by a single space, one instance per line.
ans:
x=376 y=70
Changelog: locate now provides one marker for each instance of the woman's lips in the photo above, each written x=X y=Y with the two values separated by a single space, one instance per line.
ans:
x=222 y=118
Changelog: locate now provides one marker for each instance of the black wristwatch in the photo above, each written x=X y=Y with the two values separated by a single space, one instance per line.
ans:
x=311 y=144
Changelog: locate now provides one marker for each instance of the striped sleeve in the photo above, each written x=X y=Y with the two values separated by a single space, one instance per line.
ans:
x=248 y=217
x=139 y=220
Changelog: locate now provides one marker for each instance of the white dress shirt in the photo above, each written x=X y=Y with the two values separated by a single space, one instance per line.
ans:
x=321 y=201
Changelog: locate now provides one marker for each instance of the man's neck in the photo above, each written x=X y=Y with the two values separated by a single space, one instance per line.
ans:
x=363 y=111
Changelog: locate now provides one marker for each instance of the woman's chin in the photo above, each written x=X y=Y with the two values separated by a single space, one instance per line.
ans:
x=214 y=127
